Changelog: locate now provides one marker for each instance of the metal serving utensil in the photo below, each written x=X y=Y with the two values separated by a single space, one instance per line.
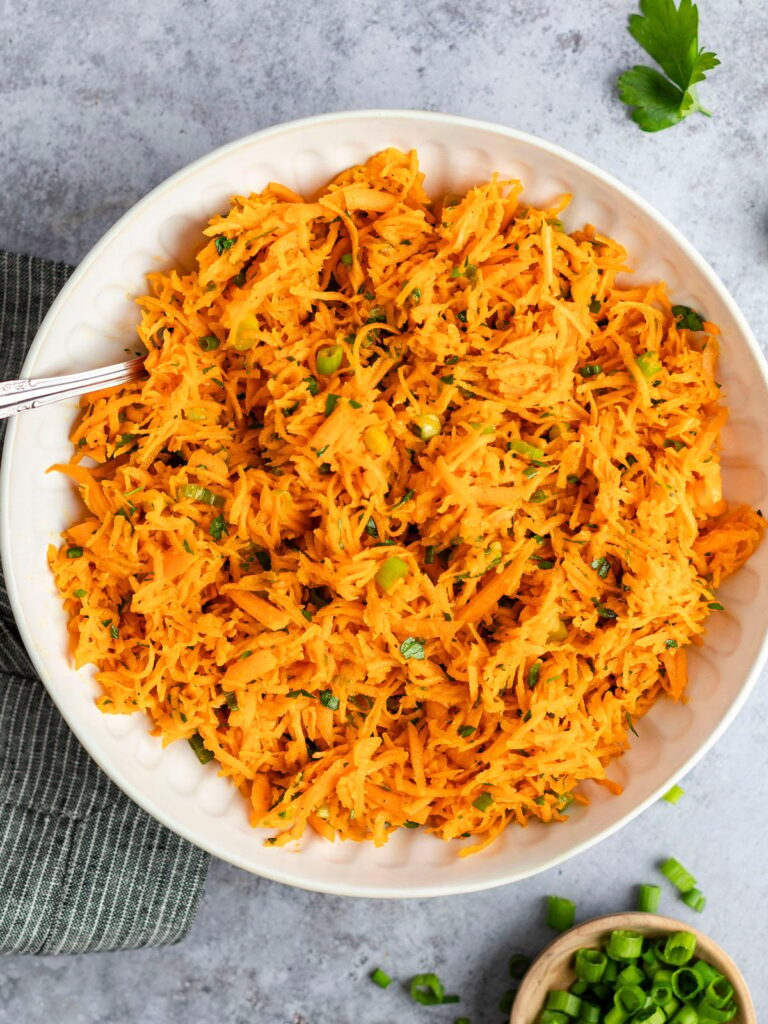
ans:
x=21 y=395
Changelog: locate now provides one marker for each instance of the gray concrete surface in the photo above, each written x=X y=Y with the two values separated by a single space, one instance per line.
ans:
x=99 y=101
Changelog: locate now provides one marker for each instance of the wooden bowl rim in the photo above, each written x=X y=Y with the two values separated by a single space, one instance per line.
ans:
x=531 y=994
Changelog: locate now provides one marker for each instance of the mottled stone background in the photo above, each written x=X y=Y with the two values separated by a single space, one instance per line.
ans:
x=99 y=101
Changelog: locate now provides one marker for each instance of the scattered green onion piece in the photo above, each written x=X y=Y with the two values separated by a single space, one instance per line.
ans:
x=686 y=984
x=533 y=674
x=624 y=945
x=427 y=426
x=579 y=988
x=390 y=571
x=331 y=402
x=429 y=554
x=328 y=700
x=650 y=1015
x=329 y=359
x=719 y=992
x=347 y=259
x=80 y=593
x=552 y=1017
x=539 y=495
x=685 y=1015
x=648 y=899
x=630 y=998
x=203 y=755
x=679 y=948
x=616 y=1015
x=688 y=318
x=530 y=451
x=709 y=1014
x=677 y=875
x=648 y=365
x=197 y=493
x=716 y=606
x=695 y=899
x=661 y=987
x=590 y=965
x=590 y=370
x=705 y=971
x=426 y=989
x=74 y=552
x=590 y=1013
x=563 y=1002
x=671 y=1007
x=631 y=975
x=483 y=802
x=561 y=913
x=411 y=647
x=672 y=796
x=464 y=731
x=380 y=978
x=208 y=343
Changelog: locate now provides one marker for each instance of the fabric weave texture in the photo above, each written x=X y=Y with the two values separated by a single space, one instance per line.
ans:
x=82 y=868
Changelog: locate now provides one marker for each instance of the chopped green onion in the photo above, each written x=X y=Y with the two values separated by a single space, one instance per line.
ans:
x=661 y=987
x=533 y=674
x=670 y=645
x=222 y=243
x=530 y=451
x=406 y=497
x=231 y=699
x=329 y=359
x=678 y=876
x=466 y=730
x=412 y=648
x=203 y=755
x=483 y=802
x=672 y=796
x=590 y=965
x=330 y=403
x=695 y=899
x=347 y=259
x=590 y=370
x=589 y=1013
x=630 y=998
x=328 y=700
x=719 y=992
x=686 y=984
x=75 y=552
x=603 y=610
x=563 y=1002
x=379 y=977
x=561 y=913
x=716 y=606
x=648 y=365
x=218 y=527
x=428 y=990
x=538 y=496
x=688 y=318
x=624 y=945
x=648 y=899
x=197 y=493
x=390 y=571
x=208 y=342
x=429 y=554
x=595 y=306
x=312 y=386
x=679 y=948
x=80 y=593
x=677 y=445
x=602 y=567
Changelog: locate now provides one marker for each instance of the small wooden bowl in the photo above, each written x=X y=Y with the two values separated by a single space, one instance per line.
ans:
x=553 y=967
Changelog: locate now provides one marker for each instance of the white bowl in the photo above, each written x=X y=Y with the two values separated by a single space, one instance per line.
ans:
x=90 y=324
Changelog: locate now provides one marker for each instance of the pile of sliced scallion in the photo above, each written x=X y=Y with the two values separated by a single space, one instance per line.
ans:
x=632 y=979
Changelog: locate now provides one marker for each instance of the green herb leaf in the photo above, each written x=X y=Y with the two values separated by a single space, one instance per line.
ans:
x=669 y=644
x=716 y=606
x=466 y=730
x=688 y=318
x=312 y=386
x=222 y=243
x=533 y=674
x=483 y=802
x=412 y=648
x=670 y=35
x=328 y=700
x=203 y=755
x=292 y=694
x=602 y=567
x=330 y=404
x=603 y=610
x=590 y=370
x=218 y=527
x=406 y=497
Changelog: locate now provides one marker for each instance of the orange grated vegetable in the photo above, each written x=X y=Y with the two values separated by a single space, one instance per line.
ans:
x=534 y=444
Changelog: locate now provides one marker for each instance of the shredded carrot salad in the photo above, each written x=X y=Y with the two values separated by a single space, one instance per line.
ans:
x=415 y=513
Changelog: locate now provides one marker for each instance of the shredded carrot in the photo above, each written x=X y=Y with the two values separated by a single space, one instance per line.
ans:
x=531 y=446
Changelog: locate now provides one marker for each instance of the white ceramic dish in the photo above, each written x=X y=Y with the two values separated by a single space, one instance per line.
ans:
x=90 y=324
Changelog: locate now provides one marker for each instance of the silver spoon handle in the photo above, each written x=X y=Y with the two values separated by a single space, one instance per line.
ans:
x=21 y=395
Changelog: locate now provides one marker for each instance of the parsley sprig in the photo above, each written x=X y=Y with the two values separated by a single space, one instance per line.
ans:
x=670 y=35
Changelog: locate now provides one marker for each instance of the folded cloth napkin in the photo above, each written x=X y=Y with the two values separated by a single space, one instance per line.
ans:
x=81 y=867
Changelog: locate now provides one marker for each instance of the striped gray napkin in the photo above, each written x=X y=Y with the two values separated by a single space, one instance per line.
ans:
x=82 y=868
